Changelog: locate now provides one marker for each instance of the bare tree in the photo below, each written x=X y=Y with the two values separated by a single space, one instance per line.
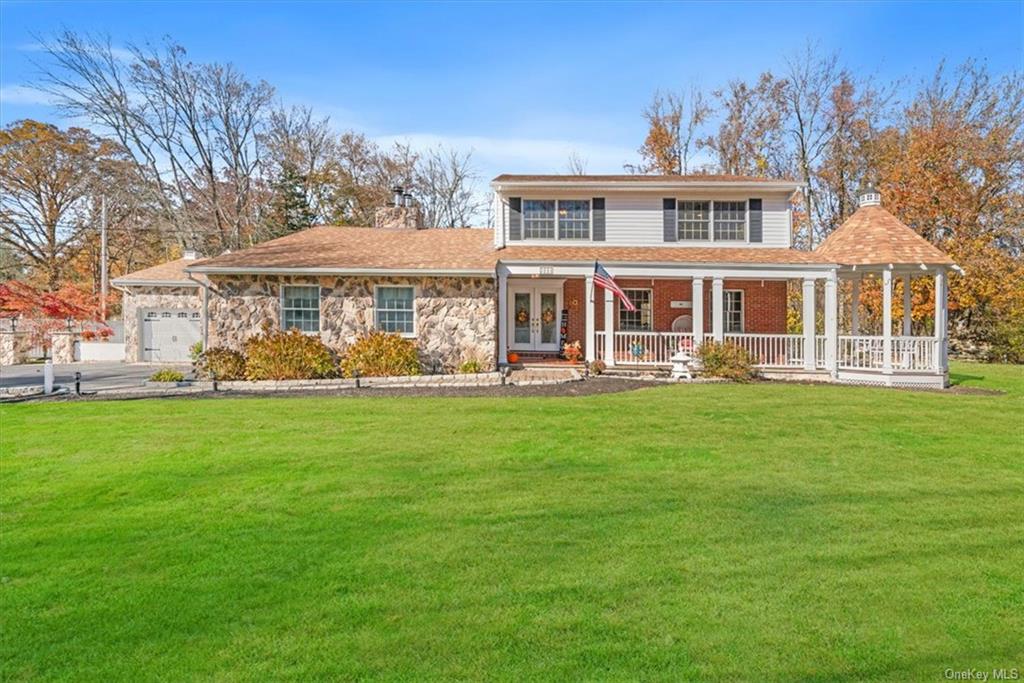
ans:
x=750 y=139
x=444 y=184
x=576 y=164
x=192 y=129
x=698 y=110
x=295 y=139
x=673 y=122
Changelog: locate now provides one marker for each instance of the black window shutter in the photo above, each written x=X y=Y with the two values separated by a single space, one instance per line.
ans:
x=515 y=218
x=668 y=206
x=597 y=220
x=756 y=224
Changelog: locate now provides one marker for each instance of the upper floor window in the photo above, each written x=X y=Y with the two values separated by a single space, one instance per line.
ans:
x=300 y=308
x=395 y=309
x=573 y=219
x=539 y=219
x=730 y=220
x=640 y=319
x=566 y=219
x=694 y=220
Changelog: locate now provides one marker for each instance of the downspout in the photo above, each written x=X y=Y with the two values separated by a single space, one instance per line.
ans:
x=206 y=307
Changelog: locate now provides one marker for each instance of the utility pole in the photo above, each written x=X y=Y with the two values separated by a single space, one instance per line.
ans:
x=103 y=258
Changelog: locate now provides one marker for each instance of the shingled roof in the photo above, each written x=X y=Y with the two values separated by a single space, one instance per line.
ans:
x=873 y=236
x=171 y=272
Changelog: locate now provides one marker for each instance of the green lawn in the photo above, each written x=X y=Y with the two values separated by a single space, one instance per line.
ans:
x=769 y=531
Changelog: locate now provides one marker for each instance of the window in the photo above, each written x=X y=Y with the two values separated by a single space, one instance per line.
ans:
x=300 y=308
x=694 y=220
x=539 y=219
x=573 y=219
x=394 y=307
x=733 y=310
x=640 y=319
x=730 y=220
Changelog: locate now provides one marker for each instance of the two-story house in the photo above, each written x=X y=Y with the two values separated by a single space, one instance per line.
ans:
x=700 y=257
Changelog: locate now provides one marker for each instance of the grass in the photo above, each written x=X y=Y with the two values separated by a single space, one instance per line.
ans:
x=782 y=532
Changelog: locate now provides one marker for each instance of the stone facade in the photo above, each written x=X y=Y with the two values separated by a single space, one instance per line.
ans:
x=152 y=297
x=62 y=347
x=14 y=346
x=456 y=318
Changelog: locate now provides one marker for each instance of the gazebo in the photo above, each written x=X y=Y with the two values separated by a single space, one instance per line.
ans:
x=874 y=243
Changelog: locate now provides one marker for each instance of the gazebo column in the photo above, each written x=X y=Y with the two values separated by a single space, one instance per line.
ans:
x=697 y=310
x=907 y=304
x=855 y=305
x=590 y=319
x=502 y=317
x=609 y=328
x=941 y=321
x=809 y=312
x=831 y=321
x=718 y=308
x=887 y=321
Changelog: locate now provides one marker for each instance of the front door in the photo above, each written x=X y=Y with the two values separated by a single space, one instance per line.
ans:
x=533 y=317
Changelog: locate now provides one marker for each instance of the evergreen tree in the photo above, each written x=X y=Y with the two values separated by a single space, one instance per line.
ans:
x=289 y=209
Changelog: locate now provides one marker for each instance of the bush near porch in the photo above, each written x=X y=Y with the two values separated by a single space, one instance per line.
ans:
x=722 y=532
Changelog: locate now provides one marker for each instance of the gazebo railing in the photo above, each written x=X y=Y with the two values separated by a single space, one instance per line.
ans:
x=860 y=352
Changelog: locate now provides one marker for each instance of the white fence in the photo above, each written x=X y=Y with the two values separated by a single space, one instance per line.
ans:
x=771 y=350
x=99 y=351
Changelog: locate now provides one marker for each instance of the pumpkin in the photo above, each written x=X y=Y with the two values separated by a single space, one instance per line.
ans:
x=513 y=358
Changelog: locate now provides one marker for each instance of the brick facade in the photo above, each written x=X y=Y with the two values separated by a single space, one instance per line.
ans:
x=764 y=304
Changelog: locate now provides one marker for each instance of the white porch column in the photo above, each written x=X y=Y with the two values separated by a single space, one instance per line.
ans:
x=609 y=328
x=697 y=311
x=502 y=318
x=907 y=304
x=941 y=320
x=887 y=321
x=589 y=317
x=718 y=308
x=831 y=321
x=855 y=306
x=809 y=311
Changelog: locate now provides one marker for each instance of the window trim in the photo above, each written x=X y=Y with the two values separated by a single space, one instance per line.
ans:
x=557 y=238
x=415 y=313
x=743 y=312
x=618 y=309
x=711 y=220
x=319 y=309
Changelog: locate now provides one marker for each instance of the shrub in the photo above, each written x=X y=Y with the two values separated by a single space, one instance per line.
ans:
x=725 y=360
x=380 y=354
x=597 y=367
x=166 y=375
x=471 y=366
x=221 y=364
x=195 y=352
x=106 y=333
x=88 y=335
x=1007 y=342
x=288 y=355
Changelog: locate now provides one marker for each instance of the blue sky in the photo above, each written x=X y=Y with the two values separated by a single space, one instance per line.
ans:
x=522 y=84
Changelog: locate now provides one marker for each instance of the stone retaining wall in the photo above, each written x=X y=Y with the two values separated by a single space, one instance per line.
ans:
x=456 y=318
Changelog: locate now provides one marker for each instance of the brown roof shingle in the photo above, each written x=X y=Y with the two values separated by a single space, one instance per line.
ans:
x=171 y=271
x=873 y=236
x=326 y=246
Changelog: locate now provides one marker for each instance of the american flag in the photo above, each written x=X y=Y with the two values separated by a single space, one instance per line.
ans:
x=602 y=278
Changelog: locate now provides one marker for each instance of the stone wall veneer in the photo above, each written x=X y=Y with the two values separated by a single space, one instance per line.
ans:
x=456 y=318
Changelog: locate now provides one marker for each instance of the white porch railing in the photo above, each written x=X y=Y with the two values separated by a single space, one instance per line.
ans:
x=868 y=353
x=647 y=348
x=771 y=350
x=819 y=351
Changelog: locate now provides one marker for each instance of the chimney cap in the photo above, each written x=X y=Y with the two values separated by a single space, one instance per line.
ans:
x=190 y=255
x=868 y=195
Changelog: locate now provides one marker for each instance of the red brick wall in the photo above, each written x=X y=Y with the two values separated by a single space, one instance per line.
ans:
x=764 y=304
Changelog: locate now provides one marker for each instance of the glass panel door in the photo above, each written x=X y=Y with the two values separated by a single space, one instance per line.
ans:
x=521 y=317
x=549 y=319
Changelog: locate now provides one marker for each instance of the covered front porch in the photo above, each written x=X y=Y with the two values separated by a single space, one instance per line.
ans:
x=691 y=306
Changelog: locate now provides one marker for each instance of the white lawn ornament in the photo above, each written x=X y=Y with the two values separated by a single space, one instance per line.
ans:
x=681 y=363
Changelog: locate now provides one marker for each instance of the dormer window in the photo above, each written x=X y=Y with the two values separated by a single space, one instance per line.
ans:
x=564 y=219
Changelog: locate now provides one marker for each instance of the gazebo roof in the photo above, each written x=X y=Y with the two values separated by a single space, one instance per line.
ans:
x=873 y=236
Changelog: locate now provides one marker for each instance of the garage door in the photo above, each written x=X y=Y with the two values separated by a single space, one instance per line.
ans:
x=169 y=333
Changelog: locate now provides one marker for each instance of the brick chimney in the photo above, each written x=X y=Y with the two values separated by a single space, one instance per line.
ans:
x=402 y=213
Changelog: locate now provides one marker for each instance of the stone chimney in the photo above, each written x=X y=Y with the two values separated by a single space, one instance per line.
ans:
x=402 y=213
x=867 y=195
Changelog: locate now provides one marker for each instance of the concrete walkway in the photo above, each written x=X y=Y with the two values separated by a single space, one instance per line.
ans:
x=95 y=376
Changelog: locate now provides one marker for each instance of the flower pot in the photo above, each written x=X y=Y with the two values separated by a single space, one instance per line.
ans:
x=513 y=358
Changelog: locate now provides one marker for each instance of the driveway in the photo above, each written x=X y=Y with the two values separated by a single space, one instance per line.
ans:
x=95 y=376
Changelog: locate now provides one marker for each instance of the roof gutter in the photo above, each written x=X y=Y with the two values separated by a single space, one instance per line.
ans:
x=781 y=186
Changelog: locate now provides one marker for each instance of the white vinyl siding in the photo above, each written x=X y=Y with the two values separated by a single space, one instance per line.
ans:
x=300 y=308
x=636 y=219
